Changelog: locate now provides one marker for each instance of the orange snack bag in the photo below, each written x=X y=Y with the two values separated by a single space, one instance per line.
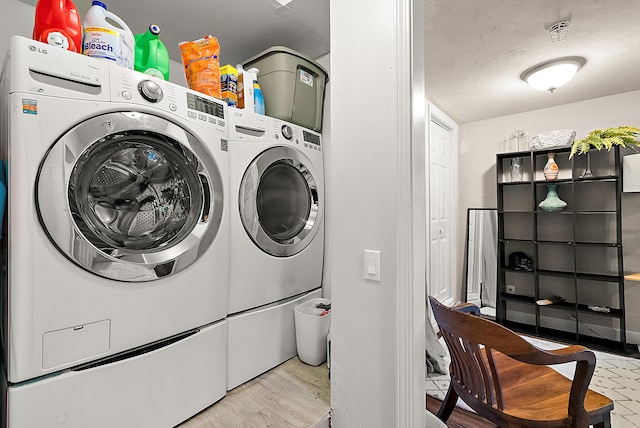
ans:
x=201 y=63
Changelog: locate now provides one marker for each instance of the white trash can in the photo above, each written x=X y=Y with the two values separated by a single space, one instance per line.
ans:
x=312 y=326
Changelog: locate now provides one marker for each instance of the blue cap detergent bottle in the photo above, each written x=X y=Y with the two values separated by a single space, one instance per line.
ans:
x=104 y=40
x=151 y=55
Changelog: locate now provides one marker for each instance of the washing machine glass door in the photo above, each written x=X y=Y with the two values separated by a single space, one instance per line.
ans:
x=279 y=202
x=130 y=196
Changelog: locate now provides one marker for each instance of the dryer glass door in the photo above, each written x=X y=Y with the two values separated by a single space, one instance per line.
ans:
x=130 y=196
x=279 y=202
x=283 y=201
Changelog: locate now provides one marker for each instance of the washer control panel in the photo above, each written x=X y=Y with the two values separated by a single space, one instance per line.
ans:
x=137 y=88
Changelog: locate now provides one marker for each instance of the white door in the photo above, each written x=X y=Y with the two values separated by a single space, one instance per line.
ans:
x=441 y=202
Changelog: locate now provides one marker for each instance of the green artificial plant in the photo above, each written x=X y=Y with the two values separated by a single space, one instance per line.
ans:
x=625 y=136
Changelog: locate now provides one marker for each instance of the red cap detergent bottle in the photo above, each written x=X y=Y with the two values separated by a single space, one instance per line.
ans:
x=57 y=23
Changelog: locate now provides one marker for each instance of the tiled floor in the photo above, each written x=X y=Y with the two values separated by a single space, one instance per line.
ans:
x=616 y=376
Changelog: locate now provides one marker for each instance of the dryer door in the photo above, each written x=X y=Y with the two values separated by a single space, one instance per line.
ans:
x=279 y=201
x=130 y=196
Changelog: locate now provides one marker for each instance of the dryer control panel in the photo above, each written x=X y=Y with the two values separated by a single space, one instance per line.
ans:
x=287 y=132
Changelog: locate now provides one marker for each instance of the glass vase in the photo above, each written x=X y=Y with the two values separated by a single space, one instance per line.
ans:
x=516 y=169
x=587 y=172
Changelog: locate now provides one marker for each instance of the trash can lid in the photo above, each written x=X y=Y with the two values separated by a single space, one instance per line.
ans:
x=284 y=49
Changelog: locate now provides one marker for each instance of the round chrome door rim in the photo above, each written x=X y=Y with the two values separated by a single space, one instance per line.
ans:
x=247 y=201
x=55 y=212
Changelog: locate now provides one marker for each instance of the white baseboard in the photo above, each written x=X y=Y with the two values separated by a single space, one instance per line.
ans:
x=634 y=338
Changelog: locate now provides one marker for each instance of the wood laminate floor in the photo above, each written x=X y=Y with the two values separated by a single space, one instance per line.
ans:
x=292 y=395
x=460 y=418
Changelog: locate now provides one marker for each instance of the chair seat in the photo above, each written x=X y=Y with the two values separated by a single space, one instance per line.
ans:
x=521 y=381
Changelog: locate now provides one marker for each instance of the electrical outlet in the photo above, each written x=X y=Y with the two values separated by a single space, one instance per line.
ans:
x=511 y=289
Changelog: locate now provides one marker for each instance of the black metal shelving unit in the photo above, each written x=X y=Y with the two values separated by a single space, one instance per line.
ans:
x=576 y=253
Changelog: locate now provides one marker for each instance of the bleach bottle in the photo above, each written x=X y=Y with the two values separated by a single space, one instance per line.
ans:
x=104 y=40
x=57 y=23
x=151 y=55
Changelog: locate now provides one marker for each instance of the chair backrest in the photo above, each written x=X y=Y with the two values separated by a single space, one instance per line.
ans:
x=471 y=341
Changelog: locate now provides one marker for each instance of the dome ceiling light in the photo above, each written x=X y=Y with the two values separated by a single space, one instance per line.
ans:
x=550 y=75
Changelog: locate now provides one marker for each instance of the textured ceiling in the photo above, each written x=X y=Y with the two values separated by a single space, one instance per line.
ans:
x=476 y=51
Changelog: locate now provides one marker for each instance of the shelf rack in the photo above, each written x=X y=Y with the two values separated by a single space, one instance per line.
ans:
x=576 y=253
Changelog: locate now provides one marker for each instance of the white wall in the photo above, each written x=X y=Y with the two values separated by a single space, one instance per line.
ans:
x=363 y=166
x=371 y=126
x=176 y=74
x=480 y=141
x=17 y=19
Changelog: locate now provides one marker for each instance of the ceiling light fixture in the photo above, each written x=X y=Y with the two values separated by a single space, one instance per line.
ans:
x=550 y=75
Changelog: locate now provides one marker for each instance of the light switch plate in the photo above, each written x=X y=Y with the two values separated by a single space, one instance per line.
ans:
x=372 y=265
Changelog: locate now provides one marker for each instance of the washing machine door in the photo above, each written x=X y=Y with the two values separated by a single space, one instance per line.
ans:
x=279 y=201
x=130 y=196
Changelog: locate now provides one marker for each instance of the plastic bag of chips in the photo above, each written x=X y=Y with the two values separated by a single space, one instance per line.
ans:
x=201 y=62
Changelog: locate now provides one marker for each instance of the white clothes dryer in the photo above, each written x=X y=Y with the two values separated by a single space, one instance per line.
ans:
x=277 y=238
x=277 y=214
x=116 y=232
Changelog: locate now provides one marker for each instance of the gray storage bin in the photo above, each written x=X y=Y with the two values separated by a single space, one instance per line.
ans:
x=292 y=85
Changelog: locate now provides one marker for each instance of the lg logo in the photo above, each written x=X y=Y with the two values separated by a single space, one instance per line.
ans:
x=36 y=49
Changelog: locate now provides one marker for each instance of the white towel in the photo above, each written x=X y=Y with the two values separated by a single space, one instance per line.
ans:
x=435 y=352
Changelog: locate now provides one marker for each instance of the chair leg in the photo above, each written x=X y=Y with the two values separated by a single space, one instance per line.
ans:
x=448 y=405
x=606 y=421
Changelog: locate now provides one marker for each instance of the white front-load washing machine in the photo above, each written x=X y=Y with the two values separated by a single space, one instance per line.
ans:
x=277 y=237
x=115 y=243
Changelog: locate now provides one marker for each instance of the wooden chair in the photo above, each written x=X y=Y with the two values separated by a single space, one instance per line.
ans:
x=505 y=379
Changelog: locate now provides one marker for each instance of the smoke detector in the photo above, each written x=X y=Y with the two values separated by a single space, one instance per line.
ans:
x=558 y=31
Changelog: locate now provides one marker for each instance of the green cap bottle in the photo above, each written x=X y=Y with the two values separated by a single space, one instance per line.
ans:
x=151 y=55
